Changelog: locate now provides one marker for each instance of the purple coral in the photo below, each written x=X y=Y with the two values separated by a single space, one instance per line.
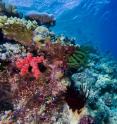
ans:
x=87 y=120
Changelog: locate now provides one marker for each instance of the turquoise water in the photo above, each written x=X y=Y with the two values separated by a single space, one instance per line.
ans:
x=86 y=20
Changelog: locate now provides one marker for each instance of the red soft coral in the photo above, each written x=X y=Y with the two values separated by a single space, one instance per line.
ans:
x=30 y=61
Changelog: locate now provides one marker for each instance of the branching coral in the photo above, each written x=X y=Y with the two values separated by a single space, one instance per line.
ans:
x=28 y=64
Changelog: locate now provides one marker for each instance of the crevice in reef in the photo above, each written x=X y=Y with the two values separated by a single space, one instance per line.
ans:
x=75 y=99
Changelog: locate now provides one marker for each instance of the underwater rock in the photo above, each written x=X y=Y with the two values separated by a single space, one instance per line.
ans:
x=41 y=18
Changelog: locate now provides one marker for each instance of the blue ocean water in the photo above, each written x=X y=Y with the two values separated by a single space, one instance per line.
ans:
x=92 y=21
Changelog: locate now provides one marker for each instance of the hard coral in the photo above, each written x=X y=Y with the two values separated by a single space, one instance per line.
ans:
x=41 y=18
x=28 y=63
x=18 y=29
x=23 y=31
x=18 y=33
x=40 y=34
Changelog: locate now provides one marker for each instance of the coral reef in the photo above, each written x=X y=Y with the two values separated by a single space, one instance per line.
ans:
x=40 y=34
x=18 y=29
x=23 y=31
x=99 y=78
x=37 y=79
x=45 y=79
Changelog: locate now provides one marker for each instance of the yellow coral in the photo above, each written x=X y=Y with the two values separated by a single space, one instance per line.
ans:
x=1 y=25
x=41 y=29
x=41 y=34
x=18 y=33
x=37 y=38
x=18 y=29
x=23 y=31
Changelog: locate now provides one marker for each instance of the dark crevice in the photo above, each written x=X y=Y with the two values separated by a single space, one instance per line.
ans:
x=75 y=99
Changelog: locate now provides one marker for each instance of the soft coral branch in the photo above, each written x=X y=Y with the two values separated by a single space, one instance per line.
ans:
x=30 y=62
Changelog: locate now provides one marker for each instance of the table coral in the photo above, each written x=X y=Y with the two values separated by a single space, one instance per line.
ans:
x=27 y=62
x=41 y=18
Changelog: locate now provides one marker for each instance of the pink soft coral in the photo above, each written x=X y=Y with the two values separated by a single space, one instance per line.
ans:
x=30 y=61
